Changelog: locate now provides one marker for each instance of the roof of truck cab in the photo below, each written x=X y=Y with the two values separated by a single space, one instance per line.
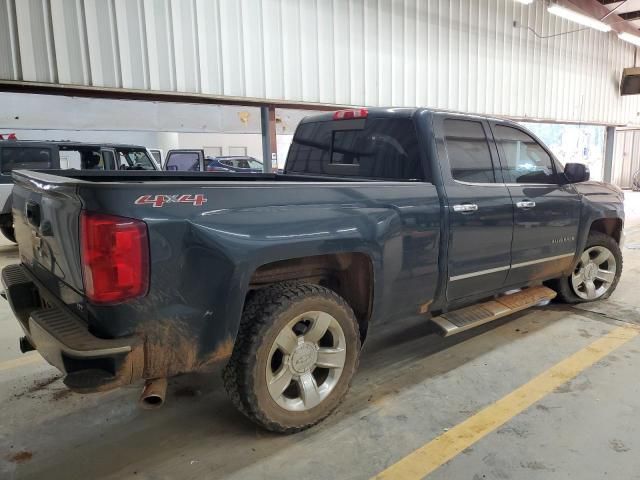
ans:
x=400 y=112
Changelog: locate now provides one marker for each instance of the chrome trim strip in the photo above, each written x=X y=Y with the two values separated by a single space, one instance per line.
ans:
x=542 y=260
x=481 y=272
x=479 y=184
x=515 y=265
x=533 y=184
x=506 y=184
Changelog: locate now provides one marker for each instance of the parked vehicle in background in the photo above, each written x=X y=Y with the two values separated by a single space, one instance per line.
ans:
x=43 y=155
x=194 y=160
x=238 y=164
x=635 y=182
x=381 y=214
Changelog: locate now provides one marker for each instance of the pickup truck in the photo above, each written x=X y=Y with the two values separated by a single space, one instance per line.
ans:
x=380 y=214
x=33 y=154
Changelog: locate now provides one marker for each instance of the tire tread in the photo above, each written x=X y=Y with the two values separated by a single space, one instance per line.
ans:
x=259 y=313
x=563 y=285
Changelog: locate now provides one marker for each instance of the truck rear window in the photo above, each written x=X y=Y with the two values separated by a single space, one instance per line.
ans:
x=31 y=158
x=377 y=148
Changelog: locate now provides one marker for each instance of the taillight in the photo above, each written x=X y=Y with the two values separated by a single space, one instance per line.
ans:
x=349 y=114
x=115 y=257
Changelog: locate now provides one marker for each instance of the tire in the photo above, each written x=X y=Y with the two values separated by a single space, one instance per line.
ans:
x=280 y=338
x=569 y=288
x=8 y=233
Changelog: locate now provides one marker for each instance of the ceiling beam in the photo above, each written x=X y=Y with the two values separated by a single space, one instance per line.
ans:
x=596 y=9
x=630 y=15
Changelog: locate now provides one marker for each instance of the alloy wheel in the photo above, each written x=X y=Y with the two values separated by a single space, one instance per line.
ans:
x=305 y=361
x=595 y=273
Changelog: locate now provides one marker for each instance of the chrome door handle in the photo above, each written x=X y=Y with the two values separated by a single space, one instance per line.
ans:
x=465 y=207
x=526 y=204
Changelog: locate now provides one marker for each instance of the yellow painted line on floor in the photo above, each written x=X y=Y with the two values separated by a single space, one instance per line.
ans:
x=443 y=448
x=21 y=362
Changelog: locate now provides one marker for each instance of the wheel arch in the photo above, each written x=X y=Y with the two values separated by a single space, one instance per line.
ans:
x=349 y=274
x=611 y=227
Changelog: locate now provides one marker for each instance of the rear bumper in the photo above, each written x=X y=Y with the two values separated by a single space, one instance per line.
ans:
x=90 y=363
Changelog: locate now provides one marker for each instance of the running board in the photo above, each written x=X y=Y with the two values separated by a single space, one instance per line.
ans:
x=465 y=318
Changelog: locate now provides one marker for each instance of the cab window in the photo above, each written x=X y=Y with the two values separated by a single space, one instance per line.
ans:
x=524 y=159
x=468 y=151
x=378 y=148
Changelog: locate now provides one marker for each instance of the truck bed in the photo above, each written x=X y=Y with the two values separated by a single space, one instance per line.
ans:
x=212 y=238
x=125 y=176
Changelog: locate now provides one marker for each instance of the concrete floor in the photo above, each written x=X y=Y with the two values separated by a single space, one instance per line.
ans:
x=412 y=386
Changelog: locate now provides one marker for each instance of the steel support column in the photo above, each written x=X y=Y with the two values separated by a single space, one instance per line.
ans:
x=269 y=141
x=610 y=139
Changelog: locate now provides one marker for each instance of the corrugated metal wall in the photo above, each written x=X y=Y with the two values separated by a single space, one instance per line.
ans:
x=461 y=54
x=626 y=157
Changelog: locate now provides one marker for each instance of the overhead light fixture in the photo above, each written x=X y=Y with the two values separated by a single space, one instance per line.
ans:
x=627 y=37
x=577 y=17
x=526 y=2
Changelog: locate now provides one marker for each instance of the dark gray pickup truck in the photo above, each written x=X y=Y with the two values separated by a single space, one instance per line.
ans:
x=380 y=214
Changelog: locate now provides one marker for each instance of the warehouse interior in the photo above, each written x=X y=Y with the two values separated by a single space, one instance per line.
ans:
x=547 y=392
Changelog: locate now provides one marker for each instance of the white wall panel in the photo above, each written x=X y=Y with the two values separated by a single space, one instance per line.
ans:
x=10 y=65
x=291 y=51
x=184 y=24
x=309 y=71
x=132 y=41
x=272 y=40
x=454 y=54
x=210 y=47
x=626 y=157
x=24 y=111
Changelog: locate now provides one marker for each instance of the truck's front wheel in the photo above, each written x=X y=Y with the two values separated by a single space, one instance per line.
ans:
x=596 y=274
x=296 y=352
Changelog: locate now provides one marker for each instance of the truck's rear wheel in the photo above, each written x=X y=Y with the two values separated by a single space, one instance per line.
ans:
x=596 y=274
x=296 y=352
x=8 y=233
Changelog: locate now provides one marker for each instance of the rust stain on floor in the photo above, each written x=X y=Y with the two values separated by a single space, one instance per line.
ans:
x=21 y=457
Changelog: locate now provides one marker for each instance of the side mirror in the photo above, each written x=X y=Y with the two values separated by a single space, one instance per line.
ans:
x=576 y=172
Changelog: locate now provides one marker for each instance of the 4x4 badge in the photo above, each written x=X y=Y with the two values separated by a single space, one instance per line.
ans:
x=159 y=201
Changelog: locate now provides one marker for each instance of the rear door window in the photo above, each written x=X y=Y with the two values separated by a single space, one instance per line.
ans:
x=377 y=148
x=183 y=161
x=468 y=151
x=31 y=158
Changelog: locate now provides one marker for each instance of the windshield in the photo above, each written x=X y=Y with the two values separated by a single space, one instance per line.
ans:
x=134 y=159
x=241 y=162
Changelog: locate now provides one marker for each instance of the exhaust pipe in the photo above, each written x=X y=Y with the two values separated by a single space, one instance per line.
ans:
x=153 y=393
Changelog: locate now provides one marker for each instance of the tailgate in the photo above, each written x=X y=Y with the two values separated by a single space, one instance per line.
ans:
x=46 y=215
